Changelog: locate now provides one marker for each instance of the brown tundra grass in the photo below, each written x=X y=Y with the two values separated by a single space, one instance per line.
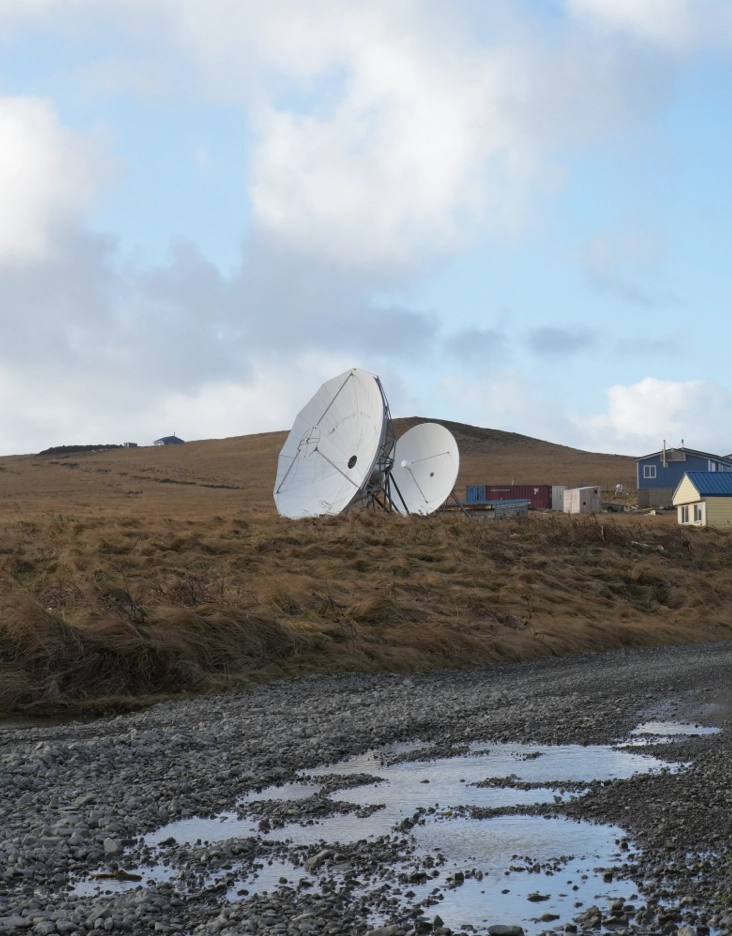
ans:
x=110 y=609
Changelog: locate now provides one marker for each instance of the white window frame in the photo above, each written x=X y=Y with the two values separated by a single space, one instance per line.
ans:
x=649 y=472
x=698 y=513
x=684 y=513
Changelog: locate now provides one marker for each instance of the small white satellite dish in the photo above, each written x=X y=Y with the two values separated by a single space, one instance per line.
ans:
x=329 y=457
x=426 y=462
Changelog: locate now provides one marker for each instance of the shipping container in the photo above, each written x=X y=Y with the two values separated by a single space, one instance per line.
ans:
x=538 y=495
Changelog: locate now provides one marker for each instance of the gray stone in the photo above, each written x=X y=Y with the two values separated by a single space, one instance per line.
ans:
x=315 y=861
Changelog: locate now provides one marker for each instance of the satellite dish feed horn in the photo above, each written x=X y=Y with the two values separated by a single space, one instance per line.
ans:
x=339 y=450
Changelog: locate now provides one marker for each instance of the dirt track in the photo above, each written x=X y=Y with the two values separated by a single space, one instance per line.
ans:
x=77 y=798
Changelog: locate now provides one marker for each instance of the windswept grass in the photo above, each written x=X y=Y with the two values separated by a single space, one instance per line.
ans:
x=96 y=609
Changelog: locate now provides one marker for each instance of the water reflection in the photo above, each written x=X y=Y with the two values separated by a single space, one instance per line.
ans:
x=405 y=786
x=569 y=852
x=500 y=860
x=668 y=729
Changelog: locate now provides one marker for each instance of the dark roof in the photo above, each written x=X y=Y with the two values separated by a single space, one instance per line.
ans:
x=168 y=440
x=711 y=483
x=688 y=451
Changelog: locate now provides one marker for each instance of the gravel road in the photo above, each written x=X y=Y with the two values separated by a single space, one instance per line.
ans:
x=79 y=798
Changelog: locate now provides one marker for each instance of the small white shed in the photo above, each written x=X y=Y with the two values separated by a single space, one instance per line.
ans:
x=583 y=500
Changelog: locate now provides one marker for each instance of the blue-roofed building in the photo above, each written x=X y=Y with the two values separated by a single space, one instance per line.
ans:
x=660 y=473
x=704 y=498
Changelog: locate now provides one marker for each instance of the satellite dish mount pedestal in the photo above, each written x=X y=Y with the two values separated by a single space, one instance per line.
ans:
x=380 y=489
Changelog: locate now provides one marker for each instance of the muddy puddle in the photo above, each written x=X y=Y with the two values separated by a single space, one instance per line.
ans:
x=476 y=847
x=670 y=729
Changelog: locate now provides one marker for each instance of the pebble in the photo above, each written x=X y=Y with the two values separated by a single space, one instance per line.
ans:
x=78 y=798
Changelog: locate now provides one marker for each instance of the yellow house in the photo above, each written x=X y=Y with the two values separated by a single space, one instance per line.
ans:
x=704 y=498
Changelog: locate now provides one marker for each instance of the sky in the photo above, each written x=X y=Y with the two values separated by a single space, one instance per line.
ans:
x=517 y=212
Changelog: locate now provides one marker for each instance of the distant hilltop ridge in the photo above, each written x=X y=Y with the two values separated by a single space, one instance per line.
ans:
x=236 y=475
x=77 y=449
x=469 y=438
x=482 y=436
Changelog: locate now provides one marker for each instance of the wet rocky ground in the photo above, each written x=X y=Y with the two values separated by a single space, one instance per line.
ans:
x=80 y=799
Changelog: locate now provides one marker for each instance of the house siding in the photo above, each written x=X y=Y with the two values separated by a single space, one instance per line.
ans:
x=716 y=511
x=719 y=511
x=686 y=493
x=671 y=475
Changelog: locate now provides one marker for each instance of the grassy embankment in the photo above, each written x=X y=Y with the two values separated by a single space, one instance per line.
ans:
x=101 y=607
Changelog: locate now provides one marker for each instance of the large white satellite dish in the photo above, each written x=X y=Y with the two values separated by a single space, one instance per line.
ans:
x=426 y=462
x=335 y=448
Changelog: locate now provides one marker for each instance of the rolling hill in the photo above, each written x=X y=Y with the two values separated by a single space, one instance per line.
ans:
x=130 y=575
x=236 y=475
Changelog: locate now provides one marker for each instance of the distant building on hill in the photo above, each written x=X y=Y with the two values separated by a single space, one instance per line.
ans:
x=660 y=473
x=129 y=445
x=169 y=440
x=704 y=498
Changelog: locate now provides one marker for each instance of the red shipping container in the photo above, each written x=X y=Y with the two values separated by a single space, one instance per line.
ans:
x=540 y=495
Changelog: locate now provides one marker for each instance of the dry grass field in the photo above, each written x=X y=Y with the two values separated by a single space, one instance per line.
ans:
x=129 y=575
x=236 y=476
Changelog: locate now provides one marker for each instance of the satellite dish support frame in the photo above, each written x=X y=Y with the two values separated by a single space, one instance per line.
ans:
x=454 y=497
x=378 y=490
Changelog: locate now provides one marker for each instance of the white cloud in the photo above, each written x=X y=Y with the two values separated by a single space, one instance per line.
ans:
x=637 y=419
x=506 y=400
x=48 y=175
x=385 y=136
x=677 y=25
x=13 y=11
x=640 y=416
x=389 y=134
x=393 y=172
x=269 y=398
x=428 y=135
